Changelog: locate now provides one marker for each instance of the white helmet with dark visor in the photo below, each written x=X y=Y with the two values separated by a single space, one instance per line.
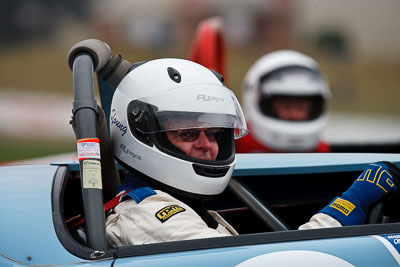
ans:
x=167 y=95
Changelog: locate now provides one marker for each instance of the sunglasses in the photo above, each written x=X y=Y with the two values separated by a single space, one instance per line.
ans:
x=192 y=135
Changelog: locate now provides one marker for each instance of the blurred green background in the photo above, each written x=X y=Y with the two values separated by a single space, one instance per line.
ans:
x=355 y=43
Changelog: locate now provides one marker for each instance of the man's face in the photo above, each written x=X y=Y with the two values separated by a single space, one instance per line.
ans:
x=196 y=143
x=292 y=108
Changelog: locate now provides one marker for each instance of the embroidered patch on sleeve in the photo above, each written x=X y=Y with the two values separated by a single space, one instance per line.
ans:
x=165 y=213
x=343 y=206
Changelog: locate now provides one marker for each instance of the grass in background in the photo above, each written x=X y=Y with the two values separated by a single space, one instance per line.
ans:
x=357 y=86
x=13 y=149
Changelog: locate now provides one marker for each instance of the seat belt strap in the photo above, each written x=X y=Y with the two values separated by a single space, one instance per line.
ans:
x=137 y=195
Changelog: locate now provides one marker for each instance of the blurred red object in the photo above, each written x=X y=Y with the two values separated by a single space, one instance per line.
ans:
x=209 y=46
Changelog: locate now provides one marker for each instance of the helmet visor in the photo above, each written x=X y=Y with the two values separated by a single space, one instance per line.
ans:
x=189 y=107
x=294 y=81
x=292 y=108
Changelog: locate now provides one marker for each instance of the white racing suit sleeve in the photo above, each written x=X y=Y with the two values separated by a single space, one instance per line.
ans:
x=320 y=220
x=157 y=218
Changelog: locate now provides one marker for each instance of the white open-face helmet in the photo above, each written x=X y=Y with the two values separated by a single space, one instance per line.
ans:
x=285 y=73
x=170 y=95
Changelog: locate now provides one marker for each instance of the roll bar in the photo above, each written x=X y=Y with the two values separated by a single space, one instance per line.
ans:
x=266 y=215
x=85 y=114
x=95 y=156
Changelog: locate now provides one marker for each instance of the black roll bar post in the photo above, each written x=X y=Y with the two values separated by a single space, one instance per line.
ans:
x=85 y=113
x=84 y=58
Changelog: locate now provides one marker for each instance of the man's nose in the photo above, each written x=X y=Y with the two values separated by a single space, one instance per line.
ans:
x=296 y=113
x=203 y=141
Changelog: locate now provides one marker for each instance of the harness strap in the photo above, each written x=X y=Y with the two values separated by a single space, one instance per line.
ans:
x=137 y=195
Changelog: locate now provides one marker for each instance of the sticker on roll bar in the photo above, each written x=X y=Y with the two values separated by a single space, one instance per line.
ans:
x=88 y=148
x=92 y=174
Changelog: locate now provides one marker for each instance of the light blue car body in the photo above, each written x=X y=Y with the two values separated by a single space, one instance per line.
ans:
x=28 y=236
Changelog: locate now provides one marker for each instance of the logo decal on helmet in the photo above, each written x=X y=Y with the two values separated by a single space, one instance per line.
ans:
x=210 y=98
x=117 y=123
x=129 y=152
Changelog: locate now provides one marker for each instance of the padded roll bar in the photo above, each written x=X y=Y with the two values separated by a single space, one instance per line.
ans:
x=85 y=114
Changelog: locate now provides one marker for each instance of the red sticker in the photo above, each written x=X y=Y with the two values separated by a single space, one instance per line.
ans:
x=88 y=148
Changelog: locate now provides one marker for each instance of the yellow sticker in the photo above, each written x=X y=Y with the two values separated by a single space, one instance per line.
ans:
x=169 y=211
x=92 y=174
x=343 y=206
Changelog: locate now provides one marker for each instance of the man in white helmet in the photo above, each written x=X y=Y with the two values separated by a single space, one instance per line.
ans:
x=284 y=97
x=173 y=125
